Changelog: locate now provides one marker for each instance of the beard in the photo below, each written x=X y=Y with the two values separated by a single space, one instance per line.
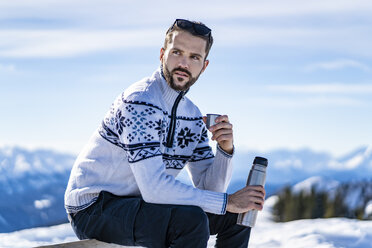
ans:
x=169 y=78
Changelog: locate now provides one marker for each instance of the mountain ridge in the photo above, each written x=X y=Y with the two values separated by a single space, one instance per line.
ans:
x=33 y=181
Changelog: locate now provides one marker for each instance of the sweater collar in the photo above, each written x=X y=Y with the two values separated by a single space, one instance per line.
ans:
x=169 y=94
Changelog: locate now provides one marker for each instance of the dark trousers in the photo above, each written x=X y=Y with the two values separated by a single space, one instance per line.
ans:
x=132 y=221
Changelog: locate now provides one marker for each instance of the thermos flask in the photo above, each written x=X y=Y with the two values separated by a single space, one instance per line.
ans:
x=257 y=176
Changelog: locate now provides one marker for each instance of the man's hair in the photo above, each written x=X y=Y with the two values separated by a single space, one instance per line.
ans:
x=170 y=36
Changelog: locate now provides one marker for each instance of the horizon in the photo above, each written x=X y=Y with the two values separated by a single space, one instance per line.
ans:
x=366 y=148
x=291 y=75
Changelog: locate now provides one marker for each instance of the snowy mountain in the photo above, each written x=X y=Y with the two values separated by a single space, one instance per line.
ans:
x=292 y=166
x=319 y=184
x=355 y=194
x=32 y=183
x=327 y=233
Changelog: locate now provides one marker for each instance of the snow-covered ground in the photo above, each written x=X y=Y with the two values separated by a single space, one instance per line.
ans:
x=319 y=233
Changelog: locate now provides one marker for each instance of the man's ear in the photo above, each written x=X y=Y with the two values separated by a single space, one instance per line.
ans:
x=206 y=63
x=162 y=51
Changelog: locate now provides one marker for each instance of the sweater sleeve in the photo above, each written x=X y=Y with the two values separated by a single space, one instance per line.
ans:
x=140 y=128
x=210 y=172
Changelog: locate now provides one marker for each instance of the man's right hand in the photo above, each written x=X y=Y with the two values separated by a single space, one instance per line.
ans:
x=248 y=198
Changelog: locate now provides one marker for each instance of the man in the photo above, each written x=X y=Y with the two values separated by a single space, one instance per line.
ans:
x=122 y=187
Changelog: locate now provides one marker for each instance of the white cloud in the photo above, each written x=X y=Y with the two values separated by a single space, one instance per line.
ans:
x=7 y=68
x=335 y=88
x=80 y=27
x=313 y=95
x=62 y=43
x=90 y=26
x=337 y=65
x=73 y=42
x=116 y=12
x=304 y=102
x=303 y=38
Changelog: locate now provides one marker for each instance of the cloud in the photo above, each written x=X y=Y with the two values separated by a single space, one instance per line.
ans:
x=304 y=102
x=319 y=95
x=7 y=68
x=64 y=43
x=119 y=12
x=71 y=28
x=338 y=65
x=330 y=88
x=74 y=42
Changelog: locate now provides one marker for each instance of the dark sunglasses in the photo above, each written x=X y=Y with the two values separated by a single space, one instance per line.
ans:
x=192 y=27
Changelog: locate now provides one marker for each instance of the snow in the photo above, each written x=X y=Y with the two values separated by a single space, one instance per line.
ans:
x=44 y=203
x=354 y=162
x=33 y=182
x=359 y=159
x=368 y=209
x=38 y=236
x=321 y=185
x=335 y=232
x=21 y=165
x=320 y=233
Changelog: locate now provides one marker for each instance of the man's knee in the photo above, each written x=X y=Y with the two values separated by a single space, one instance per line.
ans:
x=188 y=227
x=192 y=218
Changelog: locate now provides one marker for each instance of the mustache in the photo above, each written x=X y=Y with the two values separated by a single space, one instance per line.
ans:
x=181 y=69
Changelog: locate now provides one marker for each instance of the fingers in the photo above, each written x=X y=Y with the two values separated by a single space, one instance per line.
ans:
x=255 y=193
x=218 y=120
x=222 y=118
x=222 y=134
x=256 y=197
x=256 y=189
x=256 y=201
x=247 y=198
x=256 y=206
x=223 y=130
x=221 y=125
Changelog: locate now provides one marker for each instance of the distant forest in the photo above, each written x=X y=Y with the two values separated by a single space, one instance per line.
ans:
x=319 y=204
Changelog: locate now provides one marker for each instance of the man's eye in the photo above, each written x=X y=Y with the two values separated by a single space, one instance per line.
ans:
x=176 y=52
x=195 y=57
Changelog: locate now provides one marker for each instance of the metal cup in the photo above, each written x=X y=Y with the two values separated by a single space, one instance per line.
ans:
x=211 y=119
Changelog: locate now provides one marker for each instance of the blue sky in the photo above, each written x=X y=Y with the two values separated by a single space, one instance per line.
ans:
x=290 y=74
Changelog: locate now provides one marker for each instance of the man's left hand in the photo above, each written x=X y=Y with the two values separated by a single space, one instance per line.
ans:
x=222 y=133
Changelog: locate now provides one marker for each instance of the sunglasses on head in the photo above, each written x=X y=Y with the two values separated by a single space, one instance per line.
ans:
x=192 y=27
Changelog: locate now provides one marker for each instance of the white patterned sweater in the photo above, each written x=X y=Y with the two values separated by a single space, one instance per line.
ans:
x=150 y=133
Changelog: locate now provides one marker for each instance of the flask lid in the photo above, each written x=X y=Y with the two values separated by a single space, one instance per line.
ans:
x=260 y=160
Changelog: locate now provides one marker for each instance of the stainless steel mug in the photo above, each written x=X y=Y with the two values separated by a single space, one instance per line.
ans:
x=211 y=119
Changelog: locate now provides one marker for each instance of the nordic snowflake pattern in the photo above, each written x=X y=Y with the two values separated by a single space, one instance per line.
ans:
x=141 y=130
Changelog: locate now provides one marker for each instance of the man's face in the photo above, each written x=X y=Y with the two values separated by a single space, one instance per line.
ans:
x=184 y=60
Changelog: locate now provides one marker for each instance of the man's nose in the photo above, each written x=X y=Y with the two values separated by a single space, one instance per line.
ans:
x=183 y=62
